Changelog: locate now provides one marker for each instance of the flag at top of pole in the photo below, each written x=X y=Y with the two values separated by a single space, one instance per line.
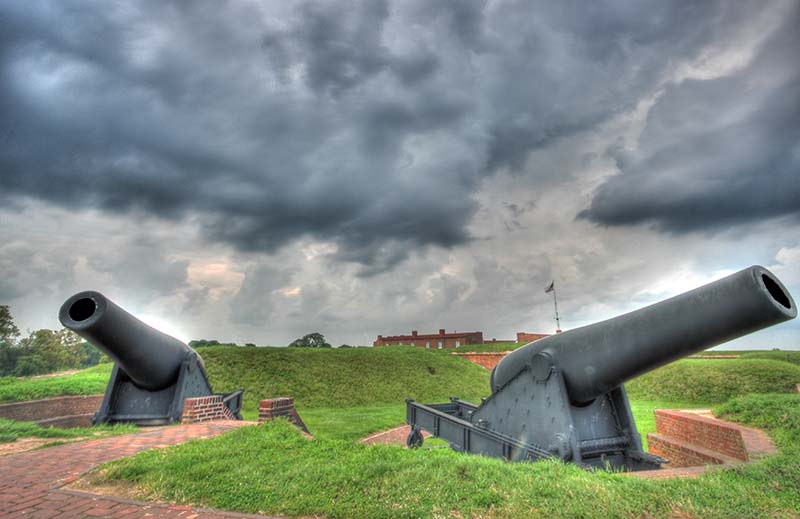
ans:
x=552 y=288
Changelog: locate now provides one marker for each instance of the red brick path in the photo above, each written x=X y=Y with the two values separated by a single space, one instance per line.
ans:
x=396 y=436
x=30 y=482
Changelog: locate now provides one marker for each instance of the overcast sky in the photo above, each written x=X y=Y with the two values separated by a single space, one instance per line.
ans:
x=255 y=171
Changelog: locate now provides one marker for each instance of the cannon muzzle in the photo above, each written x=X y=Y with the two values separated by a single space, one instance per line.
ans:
x=149 y=357
x=597 y=358
x=153 y=373
x=564 y=396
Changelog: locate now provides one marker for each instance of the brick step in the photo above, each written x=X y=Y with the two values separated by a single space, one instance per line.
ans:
x=702 y=432
x=684 y=454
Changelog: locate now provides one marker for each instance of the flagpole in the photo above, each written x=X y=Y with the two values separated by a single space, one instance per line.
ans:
x=552 y=288
x=555 y=304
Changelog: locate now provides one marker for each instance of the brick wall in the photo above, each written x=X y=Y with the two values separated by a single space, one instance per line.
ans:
x=280 y=408
x=52 y=408
x=486 y=360
x=432 y=341
x=710 y=433
x=681 y=454
x=205 y=409
x=693 y=440
x=525 y=338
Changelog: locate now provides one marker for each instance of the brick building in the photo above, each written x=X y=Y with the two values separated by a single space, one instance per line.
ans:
x=442 y=340
x=525 y=337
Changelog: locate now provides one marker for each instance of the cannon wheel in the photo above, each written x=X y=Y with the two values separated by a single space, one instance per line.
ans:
x=415 y=438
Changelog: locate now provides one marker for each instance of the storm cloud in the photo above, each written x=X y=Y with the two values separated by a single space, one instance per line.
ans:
x=371 y=127
x=715 y=152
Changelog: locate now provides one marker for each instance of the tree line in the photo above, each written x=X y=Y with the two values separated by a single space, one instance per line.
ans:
x=50 y=351
x=42 y=351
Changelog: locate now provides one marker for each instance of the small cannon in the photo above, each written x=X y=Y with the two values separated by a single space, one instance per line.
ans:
x=563 y=396
x=153 y=372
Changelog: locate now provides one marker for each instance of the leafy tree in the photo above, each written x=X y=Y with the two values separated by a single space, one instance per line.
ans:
x=8 y=330
x=199 y=343
x=92 y=356
x=43 y=351
x=33 y=364
x=9 y=356
x=250 y=345
x=312 y=340
x=8 y=341
x=345 y=346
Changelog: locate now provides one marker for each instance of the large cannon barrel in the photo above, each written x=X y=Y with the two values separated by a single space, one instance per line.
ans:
x=597 y=358
x=149 y=357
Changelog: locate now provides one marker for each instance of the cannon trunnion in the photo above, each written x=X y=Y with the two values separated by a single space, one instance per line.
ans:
x=563 y=396
x=153 y=373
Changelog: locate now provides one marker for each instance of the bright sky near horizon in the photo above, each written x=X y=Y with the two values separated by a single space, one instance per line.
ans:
x=254 y=171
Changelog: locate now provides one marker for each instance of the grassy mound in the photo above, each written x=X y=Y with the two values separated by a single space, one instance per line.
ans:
x=792 y=357
x=709 y=382
x=350 y=377
x=91 y=381
x=271 y=469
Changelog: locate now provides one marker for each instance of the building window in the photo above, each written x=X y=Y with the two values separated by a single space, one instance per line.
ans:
x=458 y=343
x=440 y=345
x=428 y=344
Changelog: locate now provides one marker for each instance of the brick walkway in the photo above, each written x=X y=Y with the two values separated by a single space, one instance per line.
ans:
x=30 y=482
x=396 y=436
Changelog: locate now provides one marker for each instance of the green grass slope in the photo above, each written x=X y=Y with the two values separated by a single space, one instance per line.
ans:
x=792 y=357
x=350 y=377
x=272 y=469
x=91 y=381
x=704 y=381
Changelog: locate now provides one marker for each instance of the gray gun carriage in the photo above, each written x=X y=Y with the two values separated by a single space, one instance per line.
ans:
x=563 y=396
x=153 y=373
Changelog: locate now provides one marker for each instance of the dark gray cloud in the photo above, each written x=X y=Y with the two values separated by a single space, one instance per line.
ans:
x=255 y=301
x=27 y=270
x=141 y=266
x=370 y=126
x=715 y=152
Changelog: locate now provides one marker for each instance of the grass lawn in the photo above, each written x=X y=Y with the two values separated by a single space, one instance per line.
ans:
x=353 y=423
x=91 y=381
x=350 y=393
x=706 y=381
x=792 y=356
x=349 y=377
x=347 y=394
x=11 y=430
x=272 y=469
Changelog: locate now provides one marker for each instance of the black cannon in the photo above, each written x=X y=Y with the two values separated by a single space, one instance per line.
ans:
x=153 y=372
x=563 y=396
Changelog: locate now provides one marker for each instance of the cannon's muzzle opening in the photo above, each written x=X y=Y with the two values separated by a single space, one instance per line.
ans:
x=82 y=309
x=153 y=372
x=778 y=292
x=564 y=396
